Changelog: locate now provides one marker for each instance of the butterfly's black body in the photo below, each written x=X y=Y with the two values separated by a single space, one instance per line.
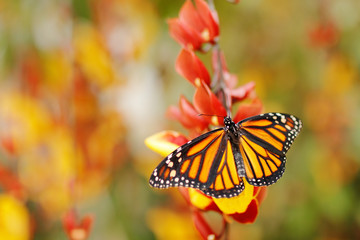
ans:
x=238 y=142
x=232 y=132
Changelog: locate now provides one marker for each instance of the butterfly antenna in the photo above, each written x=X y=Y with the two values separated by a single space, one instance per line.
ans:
x=210 y=115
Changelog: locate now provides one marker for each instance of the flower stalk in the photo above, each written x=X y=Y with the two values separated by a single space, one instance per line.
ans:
x=212 y=101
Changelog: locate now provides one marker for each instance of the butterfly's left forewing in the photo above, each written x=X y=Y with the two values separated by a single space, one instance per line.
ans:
x=264 y=141
x=204 y=163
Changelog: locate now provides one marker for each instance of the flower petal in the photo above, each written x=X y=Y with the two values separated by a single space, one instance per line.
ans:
x=195 y=26
x=188 y=116
x=260 y=196
x=249 y=110
x=237 y=204
x=249 y=215
x=174 y=113
x=198 y=199
x=10 y=183
x=190 y=67
x=184 y=35
x=205 y=102
x=74 y=229
x=210 y=18
x=190 y=17
x=191 y=116
x=165 y=142
x=242 y=92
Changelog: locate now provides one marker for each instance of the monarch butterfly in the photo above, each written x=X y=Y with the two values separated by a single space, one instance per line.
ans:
x=217 y=161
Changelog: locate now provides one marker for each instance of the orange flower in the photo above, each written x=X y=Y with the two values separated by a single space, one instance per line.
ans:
x=324 y=35
x=77 y=230
x=206 y=102
x=253 y=108
x=195 y=25
x=191 y=68
x=188 y=116
x=10 y=183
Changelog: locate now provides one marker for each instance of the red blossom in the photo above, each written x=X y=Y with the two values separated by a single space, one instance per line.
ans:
x=74 y=229
x=195 y=25
x=10 y=183
x=8 y=145
x=178 y=140
x=191 y=68
x=248 y=110
x=187 y=115
x=206 y=102
x=31 y=73
x=242 y=92
x=249 y=216
x=324 y=35
x=260 y=193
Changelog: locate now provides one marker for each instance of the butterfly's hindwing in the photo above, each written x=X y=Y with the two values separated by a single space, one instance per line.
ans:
x=264 y=141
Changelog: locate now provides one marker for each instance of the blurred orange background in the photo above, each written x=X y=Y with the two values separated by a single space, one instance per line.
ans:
x=83 y=83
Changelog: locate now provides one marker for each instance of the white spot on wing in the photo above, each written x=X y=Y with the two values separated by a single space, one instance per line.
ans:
x=173 y=173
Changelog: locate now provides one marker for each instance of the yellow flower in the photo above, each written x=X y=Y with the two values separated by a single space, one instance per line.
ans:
x=165 y=142
x=167 y=224
x=92 y=56
x=23 y=120
x=49 y=169
x=14 y=219
x=233 y=205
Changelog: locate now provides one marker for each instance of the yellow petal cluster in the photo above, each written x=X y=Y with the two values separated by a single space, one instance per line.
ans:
x=14 y=219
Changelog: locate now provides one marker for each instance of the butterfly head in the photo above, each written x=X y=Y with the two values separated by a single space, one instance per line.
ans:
x=228 y=121
x=231 y=128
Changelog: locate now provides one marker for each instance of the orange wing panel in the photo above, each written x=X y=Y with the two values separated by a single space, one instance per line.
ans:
x=209 y=160
x=201 y=145
x=195 y=167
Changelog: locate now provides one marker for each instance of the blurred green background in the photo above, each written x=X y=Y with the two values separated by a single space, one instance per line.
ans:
x=83 y=83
